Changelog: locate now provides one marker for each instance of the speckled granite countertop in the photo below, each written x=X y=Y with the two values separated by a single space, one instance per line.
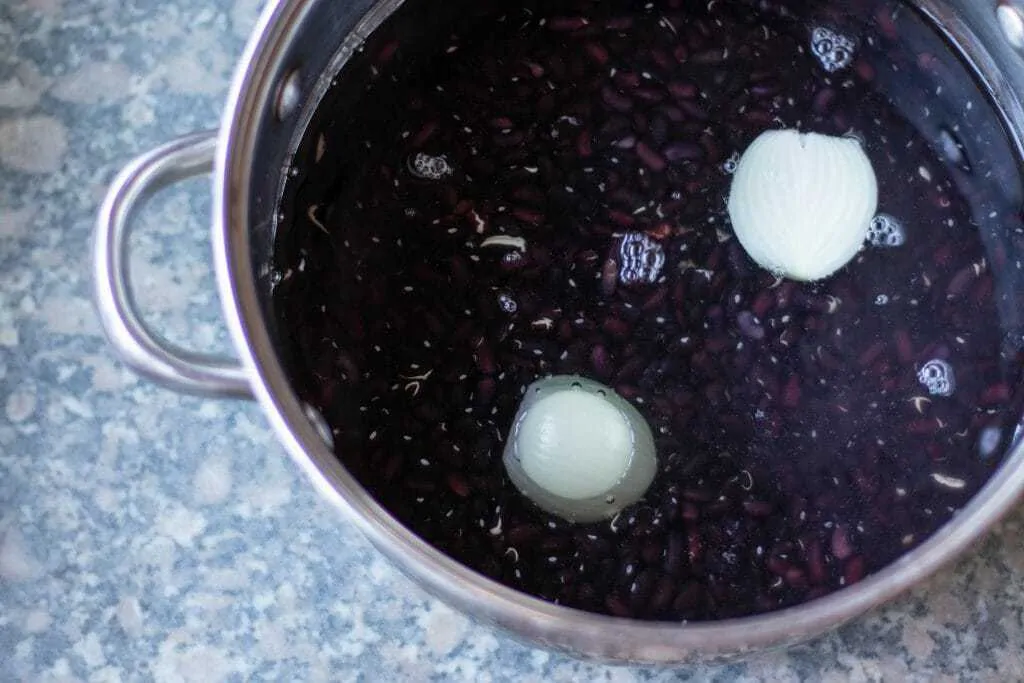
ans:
x=147 y=536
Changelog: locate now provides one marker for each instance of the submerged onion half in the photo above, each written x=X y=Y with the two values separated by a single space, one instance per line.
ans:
x=579 y=450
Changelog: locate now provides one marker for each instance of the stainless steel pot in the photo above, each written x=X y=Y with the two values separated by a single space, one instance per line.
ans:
x=287 y=66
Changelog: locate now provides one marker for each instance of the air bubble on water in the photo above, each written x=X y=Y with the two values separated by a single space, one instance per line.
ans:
x=988 y=441
x=886 y=231
x=641 y=259
x=507 y=303
x=937 y=377
x=833 y=50
x=881 y=300
x=731 y=164
x=953 y=150
x=429 y=167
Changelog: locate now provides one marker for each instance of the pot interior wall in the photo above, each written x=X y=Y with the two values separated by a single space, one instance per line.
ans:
x=323 y=41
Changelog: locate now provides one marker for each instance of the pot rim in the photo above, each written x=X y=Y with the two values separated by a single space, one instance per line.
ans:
x=532 y=619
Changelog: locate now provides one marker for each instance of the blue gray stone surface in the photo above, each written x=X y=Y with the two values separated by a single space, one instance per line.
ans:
x=148 y=536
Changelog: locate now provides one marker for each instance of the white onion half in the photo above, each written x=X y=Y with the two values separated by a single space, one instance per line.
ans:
x=801 y=203
x=579 y=450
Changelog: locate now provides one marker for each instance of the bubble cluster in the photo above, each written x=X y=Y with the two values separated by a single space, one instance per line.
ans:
x=886 y=231
x=833 y=50
x=512 y=259
x=641 y=259
x=937 y=377
x=428 y=167
x=507 y=303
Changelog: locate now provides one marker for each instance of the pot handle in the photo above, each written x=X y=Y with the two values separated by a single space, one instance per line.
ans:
x=142 y=350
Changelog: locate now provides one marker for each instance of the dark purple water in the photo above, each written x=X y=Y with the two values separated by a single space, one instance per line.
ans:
x=807 y=434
